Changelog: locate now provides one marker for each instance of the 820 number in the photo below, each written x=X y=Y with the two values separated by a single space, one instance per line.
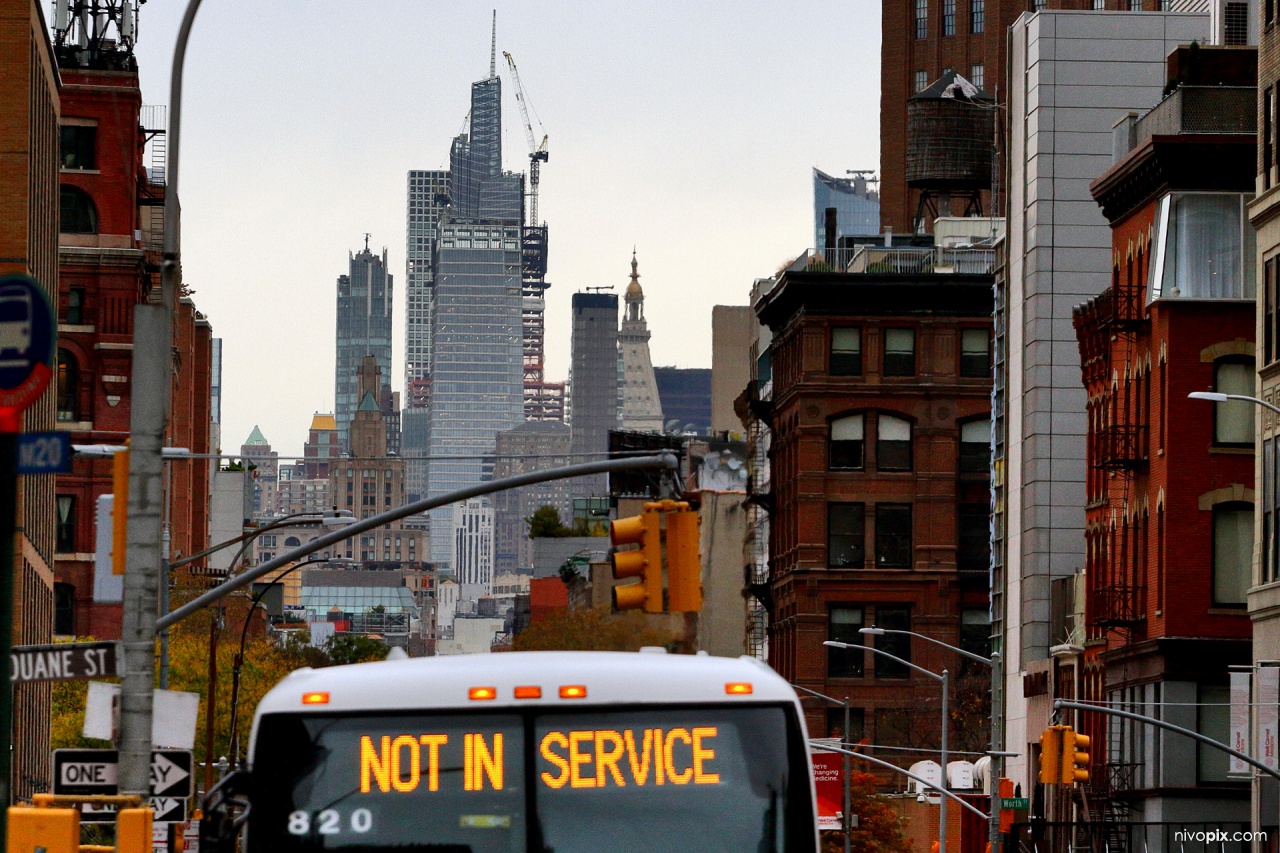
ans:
x=329 y=822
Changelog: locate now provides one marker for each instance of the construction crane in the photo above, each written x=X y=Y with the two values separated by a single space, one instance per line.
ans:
x=537 y=151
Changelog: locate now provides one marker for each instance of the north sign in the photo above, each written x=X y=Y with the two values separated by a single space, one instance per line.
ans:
x=63 y=662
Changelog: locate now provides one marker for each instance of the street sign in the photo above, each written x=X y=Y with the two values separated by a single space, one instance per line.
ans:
x=168 y=810
x=26 y=341
x=44 y=453
x=63 y=662
x=1015 y=802
x=93 y=771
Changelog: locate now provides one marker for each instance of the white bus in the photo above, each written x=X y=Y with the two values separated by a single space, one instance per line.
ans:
x=537 y=751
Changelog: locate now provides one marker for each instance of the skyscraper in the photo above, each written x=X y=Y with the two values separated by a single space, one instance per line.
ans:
x=641 y=408
x=476 y=367
x=857 y=206
x=593 y=382
x=363 y=328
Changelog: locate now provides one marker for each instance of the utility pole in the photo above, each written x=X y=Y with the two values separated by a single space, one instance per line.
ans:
x=151 y=378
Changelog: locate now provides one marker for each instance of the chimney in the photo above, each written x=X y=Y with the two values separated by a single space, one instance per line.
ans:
x=888 y=236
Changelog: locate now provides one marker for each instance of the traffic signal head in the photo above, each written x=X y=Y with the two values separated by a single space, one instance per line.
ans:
x=119 y=509
x=644 y=562
x=684 y=563
x=1075 y=757
x=1051 y=755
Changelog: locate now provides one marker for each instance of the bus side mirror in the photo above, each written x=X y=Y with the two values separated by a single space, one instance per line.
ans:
x=226 y=808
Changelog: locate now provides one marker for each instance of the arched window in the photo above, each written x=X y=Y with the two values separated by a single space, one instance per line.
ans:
x=79 y=216
x=846 y=445
x=292 y=541
x=68 y=387
x=1233 y=419
x=893 y=443
x=1232 y=552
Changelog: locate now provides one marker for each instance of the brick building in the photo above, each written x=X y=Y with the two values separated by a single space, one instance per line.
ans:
x=29 y=104
x=921 y=39
x=109 y=256
x=1169 y=517
x=880 y=417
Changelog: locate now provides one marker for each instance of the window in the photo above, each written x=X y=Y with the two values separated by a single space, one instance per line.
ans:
x=1233 y=420
x=1203 y=249
x=65 y=529
x=846 y=531
x=78 y=146
x=973 y=540
x=1214 y=721
x=836 y=724
x=922 y=80
x=977 y=75
x=893 y=444
x=1236 y=24
x=79 y=216
x=1269 y=12
x=1232 y=552
x=975 y=631
x=898 y=645
x=64 y=609
x=75 y=306
x=975 y=353
x=846 y=443
x=846 y=352
x=1269 y=294
x=1098 y=5
x=899 y=352
x=975 y=447
x=977 y=16
x=1270 y=545
x=893 y=536
x=1135 y=5
x=948 y=17
x=843 y=625
x=922 y=19
x=68 y=387
x=292 y=542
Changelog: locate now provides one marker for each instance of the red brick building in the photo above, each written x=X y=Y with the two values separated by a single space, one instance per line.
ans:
x=109 y=254
x=923 y=38
x=880 y=413
x=1169 y=520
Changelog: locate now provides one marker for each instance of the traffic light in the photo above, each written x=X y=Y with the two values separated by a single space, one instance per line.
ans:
x=1051 y=755
x=119 y=509
x=43 y=829
x=133 y=831
x=684 y=563
x=644 y=562
x=1075 y=757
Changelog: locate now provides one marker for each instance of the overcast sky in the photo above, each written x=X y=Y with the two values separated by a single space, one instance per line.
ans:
x=686 y=129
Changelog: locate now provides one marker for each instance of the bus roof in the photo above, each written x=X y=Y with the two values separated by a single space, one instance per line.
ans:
x=445 y=682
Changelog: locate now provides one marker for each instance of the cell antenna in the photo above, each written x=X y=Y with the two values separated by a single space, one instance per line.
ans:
x=493 y=48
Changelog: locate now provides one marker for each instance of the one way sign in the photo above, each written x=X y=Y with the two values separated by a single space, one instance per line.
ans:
x=171 y=773
x=93 y=771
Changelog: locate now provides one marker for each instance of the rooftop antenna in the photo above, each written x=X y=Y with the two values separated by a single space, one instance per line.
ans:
x=367 y=235
x=493 y=48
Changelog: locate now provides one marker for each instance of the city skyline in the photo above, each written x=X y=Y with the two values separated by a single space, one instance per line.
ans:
x=625 y=169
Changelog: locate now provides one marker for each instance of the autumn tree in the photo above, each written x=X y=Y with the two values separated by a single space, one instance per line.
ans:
x=545 y=523
x=593 y=629
x=879 y=828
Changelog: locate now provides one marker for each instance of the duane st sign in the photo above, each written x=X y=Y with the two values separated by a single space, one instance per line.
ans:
x=63 y=662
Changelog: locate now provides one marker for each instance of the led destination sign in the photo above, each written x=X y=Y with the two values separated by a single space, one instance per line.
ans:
x=578 y=758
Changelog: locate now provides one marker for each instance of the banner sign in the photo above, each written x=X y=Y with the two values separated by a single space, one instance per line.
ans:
x=1239 y=740
x=828 y=782
x=1268 y=715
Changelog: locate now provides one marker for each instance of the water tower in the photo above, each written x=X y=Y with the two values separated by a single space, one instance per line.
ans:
x=950 y=146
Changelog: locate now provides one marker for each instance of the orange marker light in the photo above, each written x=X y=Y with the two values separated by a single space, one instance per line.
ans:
x=482 y=693
x=738 y=688
x=315 y=698
x=528 y=692
x=573 y=691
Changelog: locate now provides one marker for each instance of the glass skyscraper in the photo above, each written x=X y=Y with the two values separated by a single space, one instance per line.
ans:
x=363 y=328
x=857 y=206
x=477 y=375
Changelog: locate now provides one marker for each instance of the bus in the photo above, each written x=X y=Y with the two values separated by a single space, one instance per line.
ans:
x=531 y=751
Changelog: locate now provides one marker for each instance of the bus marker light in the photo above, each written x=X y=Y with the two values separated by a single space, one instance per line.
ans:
x=528 y=692
x=482 y=693
x=738 y=688
x=573 y=691
x=318 y=698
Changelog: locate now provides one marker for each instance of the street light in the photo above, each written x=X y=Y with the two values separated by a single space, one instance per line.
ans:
x=942 y=801
x=848 y=793
x=1218 y=397
x=996 y=766
x=239 y=661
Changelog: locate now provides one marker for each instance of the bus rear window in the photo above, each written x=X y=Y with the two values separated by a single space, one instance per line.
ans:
x=656 y=780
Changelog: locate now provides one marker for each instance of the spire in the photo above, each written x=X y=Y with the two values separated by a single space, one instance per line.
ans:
x=493 y=48
x=633 y=289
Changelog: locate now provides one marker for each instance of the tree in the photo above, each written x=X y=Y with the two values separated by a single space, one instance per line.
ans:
x=594 y=629
x=353 y=648
x=545 y=523
x=879 y=827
